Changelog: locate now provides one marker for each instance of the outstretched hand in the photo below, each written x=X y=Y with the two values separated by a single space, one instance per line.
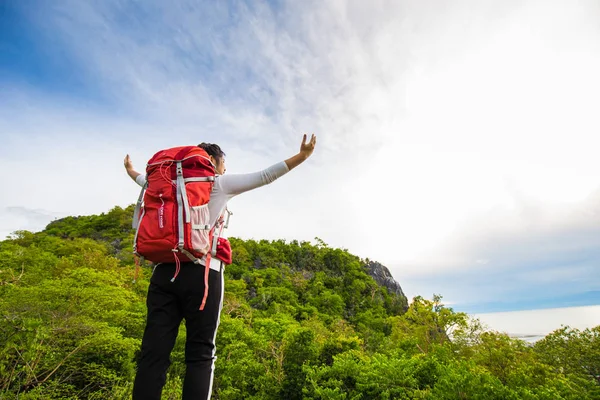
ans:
x=133 y=174
x=127 y=163
x=307 y=148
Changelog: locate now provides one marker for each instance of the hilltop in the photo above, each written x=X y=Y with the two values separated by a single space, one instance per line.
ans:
x=300 y=321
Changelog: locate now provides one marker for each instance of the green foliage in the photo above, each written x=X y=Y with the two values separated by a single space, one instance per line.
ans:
x=573 y=352
x=299 y=321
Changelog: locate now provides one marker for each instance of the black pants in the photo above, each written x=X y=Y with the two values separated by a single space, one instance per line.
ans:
x=168 y=303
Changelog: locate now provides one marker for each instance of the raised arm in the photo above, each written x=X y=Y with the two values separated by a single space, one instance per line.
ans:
x=234 y=184
x=133 y=174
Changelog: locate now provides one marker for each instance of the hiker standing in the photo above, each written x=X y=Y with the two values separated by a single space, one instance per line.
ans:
x=187 y=297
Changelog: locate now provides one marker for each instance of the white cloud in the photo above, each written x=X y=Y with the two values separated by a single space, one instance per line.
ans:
x=542 y=322
x=25 y=219
x=532 y=250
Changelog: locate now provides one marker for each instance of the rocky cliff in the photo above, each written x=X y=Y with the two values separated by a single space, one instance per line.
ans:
x=383 y=277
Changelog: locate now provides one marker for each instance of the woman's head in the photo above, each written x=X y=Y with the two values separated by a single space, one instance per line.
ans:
x=217 y=156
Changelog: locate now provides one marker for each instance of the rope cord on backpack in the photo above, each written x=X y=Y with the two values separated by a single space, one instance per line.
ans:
x=163 y=169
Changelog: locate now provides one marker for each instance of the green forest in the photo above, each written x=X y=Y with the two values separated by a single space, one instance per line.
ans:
x=300 y=320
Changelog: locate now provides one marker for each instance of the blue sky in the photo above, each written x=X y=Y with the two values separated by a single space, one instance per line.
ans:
x=457 y=144
x=31 y=57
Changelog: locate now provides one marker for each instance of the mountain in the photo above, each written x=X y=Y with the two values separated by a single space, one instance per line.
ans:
x=299 y=321
x=383 y=277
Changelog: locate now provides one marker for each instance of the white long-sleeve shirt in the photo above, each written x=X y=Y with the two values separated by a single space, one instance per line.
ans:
x=228 y=186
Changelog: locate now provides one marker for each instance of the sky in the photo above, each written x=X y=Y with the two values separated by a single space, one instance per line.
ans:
x=457 y=141
x=532 y=325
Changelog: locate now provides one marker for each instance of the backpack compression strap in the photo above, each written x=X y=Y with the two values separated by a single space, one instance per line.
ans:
x=138 y=206
x=214 y=239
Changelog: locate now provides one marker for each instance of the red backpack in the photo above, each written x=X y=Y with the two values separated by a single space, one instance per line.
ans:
x=171 y=216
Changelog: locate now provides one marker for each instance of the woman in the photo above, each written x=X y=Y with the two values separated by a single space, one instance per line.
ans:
x=169 y=302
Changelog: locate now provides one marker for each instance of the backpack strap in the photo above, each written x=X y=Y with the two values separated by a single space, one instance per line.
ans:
x=216 y=232
x=182 y=198
x=229 y=214
x=180 y=185
x=138 y=206
x=206 y=272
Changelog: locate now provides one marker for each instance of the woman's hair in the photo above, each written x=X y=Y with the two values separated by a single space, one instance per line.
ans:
x=212 y=150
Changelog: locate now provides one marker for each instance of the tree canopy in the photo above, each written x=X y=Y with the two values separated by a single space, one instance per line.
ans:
x=300 y=321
